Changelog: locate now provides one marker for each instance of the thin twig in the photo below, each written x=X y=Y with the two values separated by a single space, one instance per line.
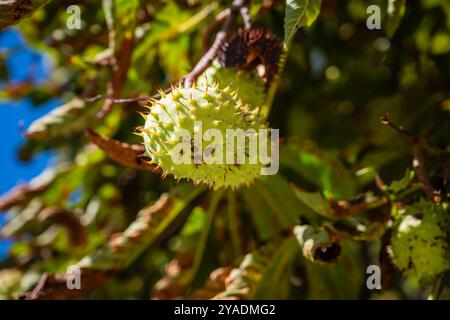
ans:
x=419 y=146
x=421 y=170
x=386 y=264
x=228 y=15
x=209 y=56
x=119 y=61
x=114 y=100
x=119 y=67
x=379 y=182
x=245 y=13
x=402 y=132
x=115 y=85
x=207 y=229
x=411 y=139
x=233 y=223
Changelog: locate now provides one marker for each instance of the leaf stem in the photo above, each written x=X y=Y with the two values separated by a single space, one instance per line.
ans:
x=233 y=224
x=216 y=196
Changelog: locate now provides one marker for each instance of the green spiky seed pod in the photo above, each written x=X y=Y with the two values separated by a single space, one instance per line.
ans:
x=420 y=241
x=249 y=86
x=175 y=136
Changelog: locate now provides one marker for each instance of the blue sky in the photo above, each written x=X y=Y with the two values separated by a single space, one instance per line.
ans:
x=22 y=63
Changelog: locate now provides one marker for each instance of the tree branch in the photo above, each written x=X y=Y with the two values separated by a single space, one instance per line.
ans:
x=229 y=16
x=209 y=56
x=422 y=174
x=385 y=119
x=213 y=26
x=419 y=146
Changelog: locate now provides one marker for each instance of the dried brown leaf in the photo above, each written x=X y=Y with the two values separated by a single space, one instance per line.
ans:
x=19 y=195
x=130 y=155
x=54 y=286
x=77 y=233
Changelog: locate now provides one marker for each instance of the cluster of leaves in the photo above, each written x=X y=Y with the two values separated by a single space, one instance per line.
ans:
x=309 y=232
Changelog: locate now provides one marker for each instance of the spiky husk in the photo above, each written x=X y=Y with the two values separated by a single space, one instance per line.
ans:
x=420 y=241
x=213 y=108
x=248 y=48
x=247 y=83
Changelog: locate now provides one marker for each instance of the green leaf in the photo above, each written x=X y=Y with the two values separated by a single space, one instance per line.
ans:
x=315 y=201
x=234 y=223
x=170 y=23
x=10 y=283
x=125 y=11
x=174 y=57
x=323 y=170
x=400 y=185
x=299 y=13
x=273 y=205
x=203 y=241
x=263 y=273
x=275 y=281
x=341 y=280
x=395 y=10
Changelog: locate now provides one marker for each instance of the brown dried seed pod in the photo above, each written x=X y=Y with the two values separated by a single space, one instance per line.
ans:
x=250 y=48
